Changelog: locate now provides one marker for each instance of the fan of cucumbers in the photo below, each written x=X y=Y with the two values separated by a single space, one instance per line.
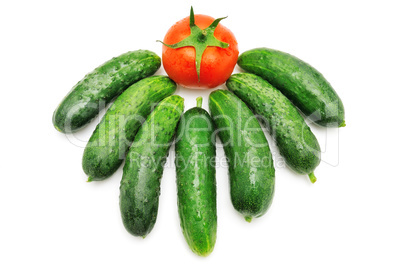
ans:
x=276 y=91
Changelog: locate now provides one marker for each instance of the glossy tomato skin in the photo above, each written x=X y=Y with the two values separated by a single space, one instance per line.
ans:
x=217 y=63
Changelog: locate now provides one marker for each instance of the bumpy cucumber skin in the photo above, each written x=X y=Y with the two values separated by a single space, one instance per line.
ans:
x=196 y=184
x=112 y=137
x=251 y=183
x=296 y=143
x=101 y=86
x=301 y=83
x=142 y=172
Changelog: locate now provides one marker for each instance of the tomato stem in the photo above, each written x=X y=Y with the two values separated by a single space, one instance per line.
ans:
x=202 y=37
x=200 y=40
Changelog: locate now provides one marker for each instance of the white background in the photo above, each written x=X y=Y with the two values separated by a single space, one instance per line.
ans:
x=351 y=217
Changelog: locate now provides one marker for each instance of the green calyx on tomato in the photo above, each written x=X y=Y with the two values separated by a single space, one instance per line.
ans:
x=200 y=40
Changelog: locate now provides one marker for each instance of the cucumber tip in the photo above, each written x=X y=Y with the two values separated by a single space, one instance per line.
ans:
x=248 y=219
x=58 y=129
x=203 y=254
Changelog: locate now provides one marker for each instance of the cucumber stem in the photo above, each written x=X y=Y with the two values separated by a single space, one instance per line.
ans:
x=89 y=179
x=199 y=102
x=248 y=218
x=312 y=177
x=343 y=124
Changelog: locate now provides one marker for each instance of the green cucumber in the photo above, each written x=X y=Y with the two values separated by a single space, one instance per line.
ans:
x=112 y=137
x=196 y=184
x=142 y=172
x=296 y=143
x=301 y=83
x=101 y=86
x=251 y=169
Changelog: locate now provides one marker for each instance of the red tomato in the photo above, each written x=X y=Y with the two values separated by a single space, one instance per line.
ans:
x=217 y=63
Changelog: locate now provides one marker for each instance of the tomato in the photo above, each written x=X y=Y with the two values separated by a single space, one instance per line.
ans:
x=216 y=63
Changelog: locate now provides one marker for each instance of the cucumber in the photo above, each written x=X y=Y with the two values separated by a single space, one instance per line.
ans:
x=296 y=143
x=112 y=137
x=301 y=83
x=196 y=184
x=251 y=169
x=142 y=172
x=101 y=86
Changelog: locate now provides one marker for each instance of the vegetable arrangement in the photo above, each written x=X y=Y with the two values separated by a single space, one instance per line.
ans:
x=145 y=119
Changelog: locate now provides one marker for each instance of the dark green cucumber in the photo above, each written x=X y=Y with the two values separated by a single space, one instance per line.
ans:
x=196 y=184
x=142 y=172
x=296 y=143
x=251 y=169
x=301 y=83
x=101 y=86
x=112 y=137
